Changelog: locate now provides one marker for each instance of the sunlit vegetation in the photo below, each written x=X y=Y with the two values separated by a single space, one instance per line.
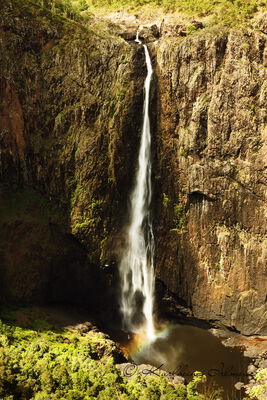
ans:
x=259 y=390
x=165 y=200
x=40 y=362
x=179 y=220
x=228 y=12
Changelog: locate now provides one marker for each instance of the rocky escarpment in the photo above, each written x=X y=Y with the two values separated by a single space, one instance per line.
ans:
x=211 y=175
x=69 y=121
x=70 y=114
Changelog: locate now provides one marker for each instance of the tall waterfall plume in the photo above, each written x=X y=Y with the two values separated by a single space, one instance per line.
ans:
x=136 y=266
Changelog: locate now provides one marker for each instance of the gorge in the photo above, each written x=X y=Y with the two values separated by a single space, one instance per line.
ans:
x=71 y=121
x=75 y=156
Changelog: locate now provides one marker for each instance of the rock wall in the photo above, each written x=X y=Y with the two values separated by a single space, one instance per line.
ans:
x=211 y=175
x=70 y=107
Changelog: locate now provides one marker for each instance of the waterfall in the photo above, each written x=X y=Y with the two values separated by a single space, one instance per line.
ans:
x=136 y=266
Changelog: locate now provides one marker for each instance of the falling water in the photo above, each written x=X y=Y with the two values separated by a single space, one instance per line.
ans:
x=136 y=267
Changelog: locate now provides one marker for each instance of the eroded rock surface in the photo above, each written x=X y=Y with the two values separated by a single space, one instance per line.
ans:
x=70 y=106
x=211 y=170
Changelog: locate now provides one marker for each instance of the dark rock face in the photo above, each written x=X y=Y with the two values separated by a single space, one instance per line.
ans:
x=70 y=106
x=40 y=264
x=211 y=170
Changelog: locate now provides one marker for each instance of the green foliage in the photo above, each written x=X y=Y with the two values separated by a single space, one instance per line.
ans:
x=91 y=211
x=217 y=266
x=165 y=200
x=227 y=12
x=191 y=29
x=95 y=203
x=261 y=375
x=259 y=391
x=179 y=218
x=45 y=364
x=66 y=8
x=76 y=194
x=183 y=152
x=192 y=393
x=35 y=365
x=245 y=46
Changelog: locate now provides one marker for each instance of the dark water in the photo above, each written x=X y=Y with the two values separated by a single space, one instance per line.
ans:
x=183 y=349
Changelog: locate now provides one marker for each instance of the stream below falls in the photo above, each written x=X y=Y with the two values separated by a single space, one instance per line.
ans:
x=183 y=349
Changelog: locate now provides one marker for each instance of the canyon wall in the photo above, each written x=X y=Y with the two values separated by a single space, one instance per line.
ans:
x=211 y=175
x=70 y=105
x=70 y=111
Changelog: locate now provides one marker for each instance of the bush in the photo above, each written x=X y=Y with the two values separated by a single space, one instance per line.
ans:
x=48 y=365
x=179 y=218
x=227 y=12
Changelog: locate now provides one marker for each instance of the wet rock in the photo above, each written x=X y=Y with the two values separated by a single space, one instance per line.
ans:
x=47 y=264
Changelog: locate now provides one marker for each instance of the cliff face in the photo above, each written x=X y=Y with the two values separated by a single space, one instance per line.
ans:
x=211 y=175
x=70 y=108
x=70 y=114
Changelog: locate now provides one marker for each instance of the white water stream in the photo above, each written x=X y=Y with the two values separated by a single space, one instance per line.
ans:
x=136 y=266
